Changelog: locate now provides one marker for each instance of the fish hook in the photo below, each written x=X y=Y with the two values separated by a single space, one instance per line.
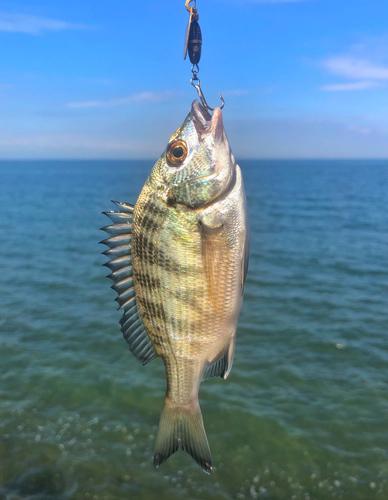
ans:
x=197 y=85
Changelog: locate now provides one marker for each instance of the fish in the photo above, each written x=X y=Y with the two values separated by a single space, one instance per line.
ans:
x=178 y=260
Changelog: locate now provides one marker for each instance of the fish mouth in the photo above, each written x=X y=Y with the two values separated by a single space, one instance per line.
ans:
x=205 y=123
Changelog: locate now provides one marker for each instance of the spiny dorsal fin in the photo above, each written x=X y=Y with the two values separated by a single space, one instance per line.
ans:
x=120 y=263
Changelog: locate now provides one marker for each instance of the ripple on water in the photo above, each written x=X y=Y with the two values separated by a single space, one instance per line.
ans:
x=303 y=413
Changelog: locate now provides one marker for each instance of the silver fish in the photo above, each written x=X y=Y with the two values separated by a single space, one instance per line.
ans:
x=179 y=259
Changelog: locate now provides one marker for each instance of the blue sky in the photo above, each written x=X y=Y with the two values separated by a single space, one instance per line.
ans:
x=93 y=79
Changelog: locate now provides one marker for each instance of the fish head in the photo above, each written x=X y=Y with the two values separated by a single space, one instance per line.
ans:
x=197 y=166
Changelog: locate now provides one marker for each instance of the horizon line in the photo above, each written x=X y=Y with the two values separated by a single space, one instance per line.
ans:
x=262 y=158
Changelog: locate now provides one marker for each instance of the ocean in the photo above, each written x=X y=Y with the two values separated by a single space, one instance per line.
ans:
x=304 y=413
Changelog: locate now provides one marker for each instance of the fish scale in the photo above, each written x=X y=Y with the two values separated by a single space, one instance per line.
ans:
x=179 y=266
x=145 y=253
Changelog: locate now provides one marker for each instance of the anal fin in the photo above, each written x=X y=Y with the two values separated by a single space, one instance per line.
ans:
x=221 y=366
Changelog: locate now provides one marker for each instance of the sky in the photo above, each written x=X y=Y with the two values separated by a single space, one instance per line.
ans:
x=93 y=79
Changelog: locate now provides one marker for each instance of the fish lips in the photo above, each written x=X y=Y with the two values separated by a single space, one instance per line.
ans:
x=205 y=123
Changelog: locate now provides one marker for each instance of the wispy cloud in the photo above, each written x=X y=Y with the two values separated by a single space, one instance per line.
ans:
x=361 y=71
x=33 y=25
x=351 y=67
x=53 y=142
x=361 y=130
x=136 y=98
x=350 y=86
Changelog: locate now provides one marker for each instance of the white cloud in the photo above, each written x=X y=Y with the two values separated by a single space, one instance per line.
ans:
x=350 y=86
x=352 y=67
x=364 y=66
x=33 y=25
x=136 y=98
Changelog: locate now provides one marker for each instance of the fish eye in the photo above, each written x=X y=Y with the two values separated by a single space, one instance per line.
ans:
x=177 y=153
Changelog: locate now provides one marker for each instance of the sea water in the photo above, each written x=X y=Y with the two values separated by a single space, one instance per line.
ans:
x=304 y=413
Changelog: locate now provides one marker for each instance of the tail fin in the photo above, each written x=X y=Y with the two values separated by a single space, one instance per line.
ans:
x=182 y=425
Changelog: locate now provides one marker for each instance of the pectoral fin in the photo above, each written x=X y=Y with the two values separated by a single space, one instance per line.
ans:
x=216 y=259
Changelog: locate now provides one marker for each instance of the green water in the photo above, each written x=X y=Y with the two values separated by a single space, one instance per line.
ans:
x=304 y=412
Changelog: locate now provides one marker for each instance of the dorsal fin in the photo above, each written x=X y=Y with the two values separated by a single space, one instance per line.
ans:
x=120 y=263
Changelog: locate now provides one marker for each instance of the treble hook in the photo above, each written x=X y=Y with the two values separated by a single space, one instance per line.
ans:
x=197 y=86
